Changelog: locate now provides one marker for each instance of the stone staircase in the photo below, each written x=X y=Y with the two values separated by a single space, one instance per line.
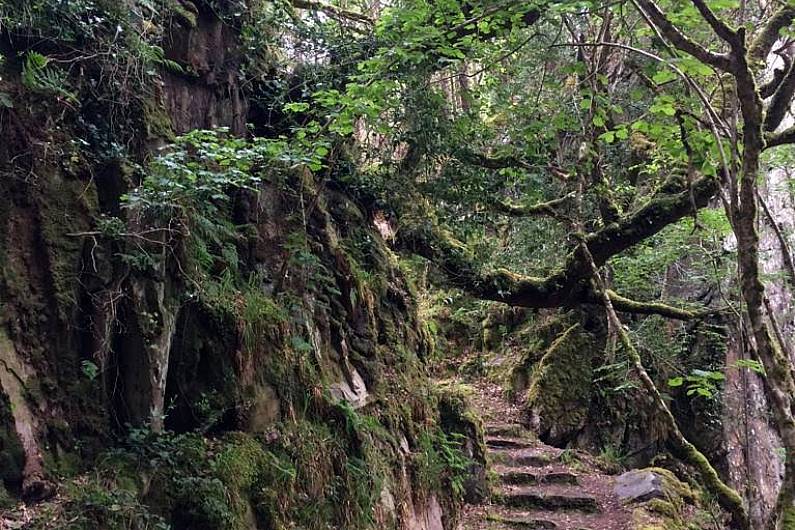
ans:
x=537 y=487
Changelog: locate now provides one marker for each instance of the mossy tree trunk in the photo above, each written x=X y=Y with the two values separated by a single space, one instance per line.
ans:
x=741 y=63
x=729 y=499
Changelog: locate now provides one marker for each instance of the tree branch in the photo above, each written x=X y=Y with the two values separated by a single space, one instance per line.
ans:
x=787 y=136
x=718 y=26
x=781 y=102
x=626 y=305
x=768 y=89
x=680 y=40
x=332 y=10
x=661 y=211
x=767 y=36
x=548 y=208
x=422 y=235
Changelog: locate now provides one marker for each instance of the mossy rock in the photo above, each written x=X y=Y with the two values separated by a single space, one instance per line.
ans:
x=676 y=511
x=458 y=416
x=558 y=397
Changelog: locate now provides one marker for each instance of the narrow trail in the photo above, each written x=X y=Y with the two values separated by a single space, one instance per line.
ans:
x=537 y=486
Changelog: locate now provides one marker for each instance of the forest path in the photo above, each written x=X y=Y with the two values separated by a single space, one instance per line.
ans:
x=537 y=486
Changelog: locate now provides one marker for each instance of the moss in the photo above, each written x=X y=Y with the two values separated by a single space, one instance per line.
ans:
x=558 y=397
x=458 y=418
x=662 y=507
x=675 y=487
x=156 y=121
x=185 y=13
x=673 y=512
x=65 y=208
x=788 y=519
x=238 y=466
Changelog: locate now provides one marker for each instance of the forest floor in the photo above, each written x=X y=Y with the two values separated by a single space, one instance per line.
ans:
x=534 y=485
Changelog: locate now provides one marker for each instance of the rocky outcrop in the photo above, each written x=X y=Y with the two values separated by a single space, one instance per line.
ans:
x=293 y=371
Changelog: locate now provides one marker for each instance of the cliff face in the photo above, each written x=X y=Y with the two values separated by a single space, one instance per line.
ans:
x=260 y=372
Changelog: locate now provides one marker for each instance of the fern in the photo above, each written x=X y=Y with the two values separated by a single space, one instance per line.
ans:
x=153 y=54
x=38 y=75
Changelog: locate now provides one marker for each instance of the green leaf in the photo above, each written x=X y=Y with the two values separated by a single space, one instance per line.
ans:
x=693 y=66
x=676 y=381
x=663 y=108
x=608 y=137
x=663 y=76
x=296 y=107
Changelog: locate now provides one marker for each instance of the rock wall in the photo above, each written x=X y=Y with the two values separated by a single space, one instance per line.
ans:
x=290 y=389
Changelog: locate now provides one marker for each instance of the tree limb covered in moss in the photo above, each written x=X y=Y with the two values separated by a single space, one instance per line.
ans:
x=785 y=137
x=662 y=210
x=625 y=305
x=781 y=101
x=548 y=208
x=570 y=285
x=767 y=36
x=769 y=88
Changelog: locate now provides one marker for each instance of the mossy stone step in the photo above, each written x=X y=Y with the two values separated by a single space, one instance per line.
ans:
x=515 y=430
x=520 y=477
x=521 y=459
x=526 y=523
x=539 y=500
x=508 y=443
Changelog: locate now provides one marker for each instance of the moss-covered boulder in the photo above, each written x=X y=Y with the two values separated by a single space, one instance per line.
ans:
x=555 y=376
x=678 y=506
x=458 y=417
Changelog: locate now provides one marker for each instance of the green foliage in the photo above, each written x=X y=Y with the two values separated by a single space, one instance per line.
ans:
x=699 y=382
x=89 y=369
x=440 y=463
x=612 y=458
x=750 y=364
x=93 y=504
x=40 y=76
x=195 y=175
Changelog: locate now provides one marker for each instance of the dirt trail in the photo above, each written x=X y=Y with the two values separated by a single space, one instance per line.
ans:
x=537 y=486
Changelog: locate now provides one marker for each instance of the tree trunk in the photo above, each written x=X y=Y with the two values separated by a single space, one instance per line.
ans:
x=779 y=378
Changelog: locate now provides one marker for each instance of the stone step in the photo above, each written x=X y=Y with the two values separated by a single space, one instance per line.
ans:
x=522 y=459
x=516 y=430
x=528 y=499
x=524 y=522
x=508 y=443
x=520 y=477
